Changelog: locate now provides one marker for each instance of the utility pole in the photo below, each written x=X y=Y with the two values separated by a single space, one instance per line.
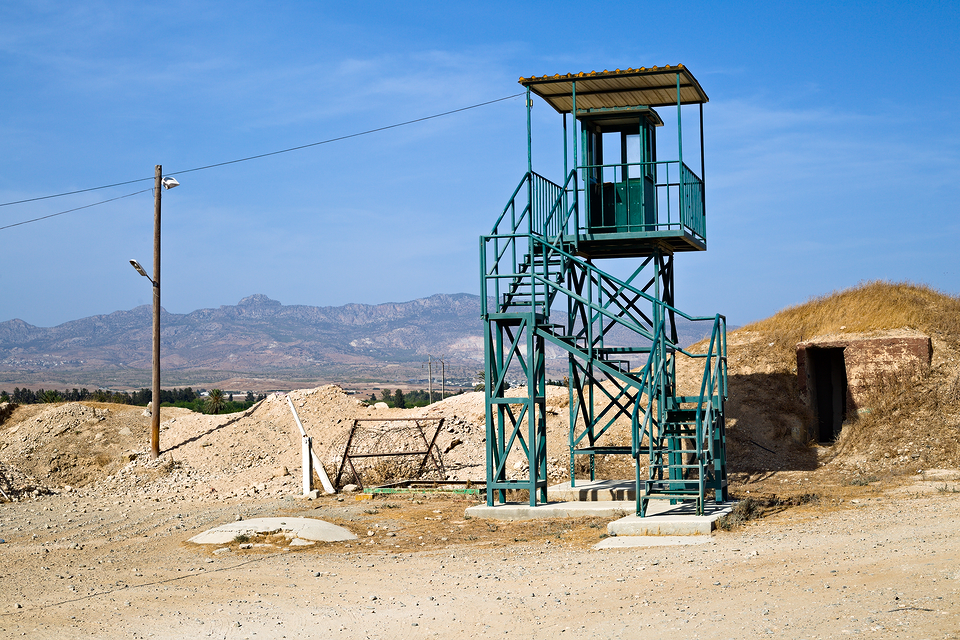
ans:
x=443 y=379
x=430 y=378
x=159 y=184
x=155 y=411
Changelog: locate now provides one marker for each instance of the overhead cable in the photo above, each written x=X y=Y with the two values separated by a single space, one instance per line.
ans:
x=86 y=206
x=351 y=135
x=262 y=155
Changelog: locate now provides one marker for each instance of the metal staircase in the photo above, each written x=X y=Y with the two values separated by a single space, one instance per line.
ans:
x=527 y=274
x=542 y=288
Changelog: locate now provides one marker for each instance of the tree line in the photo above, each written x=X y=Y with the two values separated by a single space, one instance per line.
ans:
x=414 y=398
x=216 y=402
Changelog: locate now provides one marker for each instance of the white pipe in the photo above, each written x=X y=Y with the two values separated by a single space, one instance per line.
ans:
x=324 y=479
x=296 y=417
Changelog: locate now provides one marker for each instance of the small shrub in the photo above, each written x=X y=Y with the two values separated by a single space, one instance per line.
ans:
x=803 y=498
x=102 y=460
x=745 y=510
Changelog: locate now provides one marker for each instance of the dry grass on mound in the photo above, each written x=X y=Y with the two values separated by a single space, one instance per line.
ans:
x=867 y=307
x=908 y=423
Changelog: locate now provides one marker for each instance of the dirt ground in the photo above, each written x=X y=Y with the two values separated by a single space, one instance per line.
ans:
x=881 y=561
x=95 y=540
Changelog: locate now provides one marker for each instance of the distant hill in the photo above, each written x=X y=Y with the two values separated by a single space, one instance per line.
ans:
x=257 y=338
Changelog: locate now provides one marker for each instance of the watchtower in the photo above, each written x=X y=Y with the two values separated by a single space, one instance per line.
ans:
x=543 y=285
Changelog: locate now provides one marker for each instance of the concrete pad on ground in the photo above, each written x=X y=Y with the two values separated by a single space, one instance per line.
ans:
x=662 y=519
x=301 y=528
x=627 y=542
x=671 y=520
x=594 y=491
x=572 y=509
x=523 y=511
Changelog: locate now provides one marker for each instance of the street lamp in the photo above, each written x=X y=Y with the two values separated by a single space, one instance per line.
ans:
x=166 y=183
x=136 y=265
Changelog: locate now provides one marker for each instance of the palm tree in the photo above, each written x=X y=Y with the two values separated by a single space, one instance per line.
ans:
x=215 y=401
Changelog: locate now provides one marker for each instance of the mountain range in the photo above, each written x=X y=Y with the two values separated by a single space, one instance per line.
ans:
x=258 y=343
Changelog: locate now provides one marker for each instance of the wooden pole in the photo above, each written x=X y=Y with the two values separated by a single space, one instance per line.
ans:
x=155 y=412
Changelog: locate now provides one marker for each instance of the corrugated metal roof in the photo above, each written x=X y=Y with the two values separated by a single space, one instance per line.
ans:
x=650 y=87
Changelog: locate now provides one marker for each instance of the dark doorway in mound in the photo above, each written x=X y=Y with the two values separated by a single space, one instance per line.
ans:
x=828 y=378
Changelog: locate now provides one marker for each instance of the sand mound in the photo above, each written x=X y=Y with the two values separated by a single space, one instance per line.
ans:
x=253 y=453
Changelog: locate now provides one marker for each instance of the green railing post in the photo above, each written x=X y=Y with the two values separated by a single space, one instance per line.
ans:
x=679 y=148
x=703 y=177
x=573 y=110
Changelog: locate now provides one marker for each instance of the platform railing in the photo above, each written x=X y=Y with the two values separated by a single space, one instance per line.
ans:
x=709 y=413
x=538 y=208
x=677 y=200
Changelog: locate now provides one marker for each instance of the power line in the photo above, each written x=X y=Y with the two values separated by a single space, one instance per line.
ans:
x=351 y=135
x=86 y=206
x=70 y=193
x=256 y=157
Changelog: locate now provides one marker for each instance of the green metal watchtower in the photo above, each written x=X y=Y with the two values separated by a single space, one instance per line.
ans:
x=542 y=286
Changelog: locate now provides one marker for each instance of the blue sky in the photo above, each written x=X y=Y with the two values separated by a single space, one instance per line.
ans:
x=832 y=145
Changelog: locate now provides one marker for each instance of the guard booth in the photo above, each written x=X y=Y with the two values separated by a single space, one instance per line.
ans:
x=621 y=198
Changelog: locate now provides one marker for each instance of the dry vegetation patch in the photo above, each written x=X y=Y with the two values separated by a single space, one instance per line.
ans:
x=868 y=307
x=421 y=522
x=910 y=423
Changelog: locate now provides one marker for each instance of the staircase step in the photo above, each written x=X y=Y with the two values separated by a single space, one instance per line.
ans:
x=611 y=350
x=603 y=450
x=674 y=466
x=694 y=399
x=663 y=487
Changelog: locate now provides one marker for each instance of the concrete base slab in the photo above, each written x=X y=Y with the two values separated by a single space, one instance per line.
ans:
x=594 y=491
x=662 y=519
x=673 y=520
x=627 y=542
x=300 y=528
x=523 y=511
